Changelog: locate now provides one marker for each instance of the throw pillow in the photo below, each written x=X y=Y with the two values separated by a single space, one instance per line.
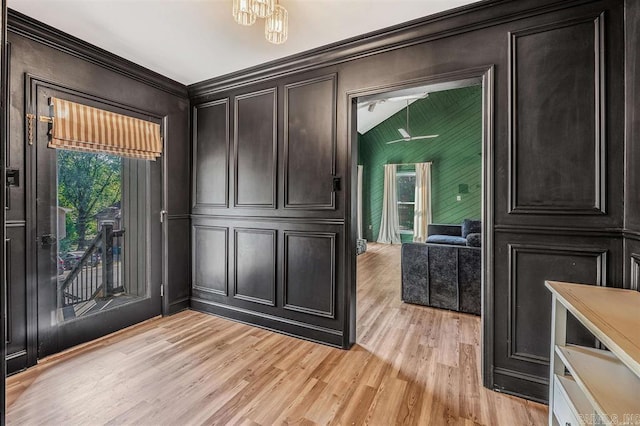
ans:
x=470 y=226
x=474 y=240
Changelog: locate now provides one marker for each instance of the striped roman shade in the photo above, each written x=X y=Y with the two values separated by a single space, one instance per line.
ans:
x=82 y=128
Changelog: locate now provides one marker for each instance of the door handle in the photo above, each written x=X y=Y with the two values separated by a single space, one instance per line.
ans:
x=47 y=240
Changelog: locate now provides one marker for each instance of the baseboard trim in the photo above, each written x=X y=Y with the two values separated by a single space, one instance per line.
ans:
x=16 y=362
x=178 y=306
x=285 y=326
x=529 y=386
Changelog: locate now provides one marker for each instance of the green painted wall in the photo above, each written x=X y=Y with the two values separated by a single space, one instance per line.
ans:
x=455 y=115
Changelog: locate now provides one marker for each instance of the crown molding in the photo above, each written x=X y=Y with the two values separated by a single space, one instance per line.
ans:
x=444 y=24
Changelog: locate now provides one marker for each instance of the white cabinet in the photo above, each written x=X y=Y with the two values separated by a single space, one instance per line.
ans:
x=591 y=386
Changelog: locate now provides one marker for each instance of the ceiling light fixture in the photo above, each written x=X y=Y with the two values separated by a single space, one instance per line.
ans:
x=263 y=8
x=243 y=13
x=276 y=28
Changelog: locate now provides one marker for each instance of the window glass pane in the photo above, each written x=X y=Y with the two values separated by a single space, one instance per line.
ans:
x=406 y=185
x=405 y=216
x=101 y=237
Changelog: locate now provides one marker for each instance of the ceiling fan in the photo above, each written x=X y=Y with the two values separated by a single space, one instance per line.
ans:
x=406 y=135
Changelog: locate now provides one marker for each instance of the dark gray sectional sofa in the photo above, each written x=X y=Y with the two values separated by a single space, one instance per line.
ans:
x=444 y=276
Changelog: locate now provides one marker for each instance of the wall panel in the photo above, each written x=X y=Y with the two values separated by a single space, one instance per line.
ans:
x=522 y=341
x=211 y=259
x=179 y=272
x=211 y=154
x=16 y=292
x=255 y=265
x=255 y=149
x=310 y=272
x=310 y=143
x=632 y=262
x=557 y=119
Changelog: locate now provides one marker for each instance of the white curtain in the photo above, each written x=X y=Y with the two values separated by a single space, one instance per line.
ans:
x=360 y=170
x=389 y=225
x=422 y=211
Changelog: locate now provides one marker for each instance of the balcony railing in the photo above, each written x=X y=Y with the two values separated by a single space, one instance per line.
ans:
x=98 y=271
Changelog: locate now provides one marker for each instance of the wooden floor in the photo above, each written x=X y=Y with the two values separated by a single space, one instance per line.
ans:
x=412 y=365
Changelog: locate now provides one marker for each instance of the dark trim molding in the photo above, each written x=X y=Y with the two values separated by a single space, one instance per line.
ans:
x=437 y=26
x=178 y=305
x=284 y=219
x=40 y=32
x=286 y=326
x=16 y=355
x=560 y=230
x=535 y=388
x=178 y=217
x=634 y=235
x=16 y=223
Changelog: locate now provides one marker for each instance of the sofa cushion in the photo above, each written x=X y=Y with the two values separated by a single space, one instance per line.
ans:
x=474 y=240
x=447 y=239
x=470 y=226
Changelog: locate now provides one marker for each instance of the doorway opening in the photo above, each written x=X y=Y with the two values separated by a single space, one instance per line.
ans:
x=423 y=226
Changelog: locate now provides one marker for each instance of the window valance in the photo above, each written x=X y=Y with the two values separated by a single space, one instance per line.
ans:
x=83 y=128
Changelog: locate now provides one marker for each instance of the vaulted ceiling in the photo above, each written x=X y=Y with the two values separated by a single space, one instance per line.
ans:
x=194 y=40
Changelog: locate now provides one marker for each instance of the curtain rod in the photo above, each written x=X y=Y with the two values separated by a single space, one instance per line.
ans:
x=407 y=164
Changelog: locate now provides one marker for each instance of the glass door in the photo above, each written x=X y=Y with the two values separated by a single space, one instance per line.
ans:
x=98 y=269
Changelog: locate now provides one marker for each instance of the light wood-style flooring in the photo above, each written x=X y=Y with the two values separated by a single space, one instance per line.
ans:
x=412 y=365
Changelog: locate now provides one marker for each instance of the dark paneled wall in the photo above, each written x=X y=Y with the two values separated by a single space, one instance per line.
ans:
x=557 y=123
x=44 y=52
x=266 y=228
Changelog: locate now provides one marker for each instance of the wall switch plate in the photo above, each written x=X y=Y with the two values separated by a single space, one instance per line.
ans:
x=459 y=198
x=13 y=177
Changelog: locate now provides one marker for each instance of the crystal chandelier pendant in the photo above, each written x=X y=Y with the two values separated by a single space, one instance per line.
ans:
x=243 y=13
x=276 y=26
x=263 y=8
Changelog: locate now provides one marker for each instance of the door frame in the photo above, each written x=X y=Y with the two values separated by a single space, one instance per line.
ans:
x=486 y=75
x=32 y=83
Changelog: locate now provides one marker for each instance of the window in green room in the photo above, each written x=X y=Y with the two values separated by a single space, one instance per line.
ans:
x=405 y=187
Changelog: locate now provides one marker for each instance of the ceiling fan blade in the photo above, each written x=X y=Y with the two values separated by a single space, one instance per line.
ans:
x=423 y=137
x=413 y=138
x=399 y=140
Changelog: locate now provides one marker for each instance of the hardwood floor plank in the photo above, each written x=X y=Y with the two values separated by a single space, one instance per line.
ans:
x=412 y=365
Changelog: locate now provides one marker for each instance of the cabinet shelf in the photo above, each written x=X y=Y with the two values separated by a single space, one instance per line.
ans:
x=604 y=384
x=608 y=385
x=611 y=314
x=576 y=396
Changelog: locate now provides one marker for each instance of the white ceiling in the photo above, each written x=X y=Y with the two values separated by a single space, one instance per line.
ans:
x=194 y=40
x=389 y=103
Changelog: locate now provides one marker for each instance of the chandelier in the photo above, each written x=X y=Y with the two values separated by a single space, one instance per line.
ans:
x=276 y=27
